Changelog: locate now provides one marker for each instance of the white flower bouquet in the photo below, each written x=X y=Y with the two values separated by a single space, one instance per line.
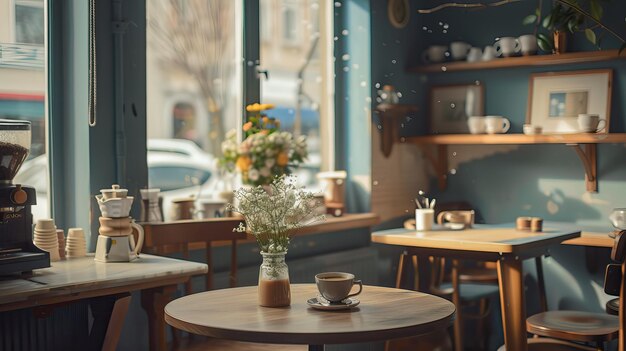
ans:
x=273 y=214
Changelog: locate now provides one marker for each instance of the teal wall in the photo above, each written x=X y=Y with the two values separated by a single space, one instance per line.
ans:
x=505 y=182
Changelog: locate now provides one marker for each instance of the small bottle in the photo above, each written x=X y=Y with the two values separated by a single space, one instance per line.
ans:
x=388 y=95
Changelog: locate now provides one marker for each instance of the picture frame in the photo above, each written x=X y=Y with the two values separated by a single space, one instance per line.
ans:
x=555 y=99
x=451 y=105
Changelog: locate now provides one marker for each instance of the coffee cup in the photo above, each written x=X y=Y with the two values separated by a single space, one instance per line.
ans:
x=507 y=46
x=590 y=123
x=475 y=54
x=336 y=286
x=497 y=124
x=459 y=50
x=530 y=129
x=476 y=124
x=528 y=44
x=434 y=54
x=424 y=219
x=489 y=53
x=464 y=218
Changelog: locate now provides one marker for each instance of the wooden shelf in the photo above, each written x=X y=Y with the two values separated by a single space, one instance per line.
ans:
x=585 y=146
x=511 y=139
x=524 y=61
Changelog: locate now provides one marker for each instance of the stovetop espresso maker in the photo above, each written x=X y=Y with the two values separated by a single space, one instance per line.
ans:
x=17 y=252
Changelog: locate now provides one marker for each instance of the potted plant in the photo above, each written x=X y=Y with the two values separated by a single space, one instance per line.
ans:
x=569 y=16
x=271 y=215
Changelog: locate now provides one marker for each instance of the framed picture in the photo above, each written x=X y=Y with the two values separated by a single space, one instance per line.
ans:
x=556 y=99
x=451 y=105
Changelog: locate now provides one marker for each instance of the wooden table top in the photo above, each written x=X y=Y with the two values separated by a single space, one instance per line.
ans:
x=384 y=313
x=481 y=238
x=71 y=278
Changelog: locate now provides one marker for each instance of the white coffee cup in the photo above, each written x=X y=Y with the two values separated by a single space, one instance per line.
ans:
x=476 y=124
x=489 y=53
x=590 y=123
x=530 y=129
x=459 y=50
x=475 y=54
x=528 y=44
x=507 y=46
x=434 y=54
x=424 y=219
x=497 y=124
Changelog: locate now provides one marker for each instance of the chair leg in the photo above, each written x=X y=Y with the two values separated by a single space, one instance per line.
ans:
x=416 y=274
x=456 y=299
x=541 y=285
x=481 y=326
x=400 y=269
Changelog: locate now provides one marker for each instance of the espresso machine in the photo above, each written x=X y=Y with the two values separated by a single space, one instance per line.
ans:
x=17 y=252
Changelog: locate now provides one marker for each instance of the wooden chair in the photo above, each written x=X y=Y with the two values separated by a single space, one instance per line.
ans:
x=586 y=327
x=179 y=236
x=465 y=286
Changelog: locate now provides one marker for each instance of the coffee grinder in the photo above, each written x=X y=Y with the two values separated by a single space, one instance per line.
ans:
x=17 y=252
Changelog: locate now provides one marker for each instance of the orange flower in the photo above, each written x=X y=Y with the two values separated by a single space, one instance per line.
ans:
x=282 y=159
x=266 y=120
x=247 y=126
x=264 y=132
x=243 y=163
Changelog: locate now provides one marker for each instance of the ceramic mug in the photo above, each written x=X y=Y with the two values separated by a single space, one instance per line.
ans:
x=489 y=53
x=590 y=123
x=474 y=55
x=507 y=46
x=530 y=129
x=424 y=219
x=336 y=286
x=434 y=54
x=459 y=50
x=528 y=44
x=476 y=124
x=497 y=124
x=463 y=217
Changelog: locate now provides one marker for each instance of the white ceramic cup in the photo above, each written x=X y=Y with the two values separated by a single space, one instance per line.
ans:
x=590 y=123
x=424 y=219
x=476 y=124
x=528 y=44
x=507 y=46
x=497 y=124
x=530 y=129
x=475 y=54
x=489 y=53
x=434 y=54
x=459 y=50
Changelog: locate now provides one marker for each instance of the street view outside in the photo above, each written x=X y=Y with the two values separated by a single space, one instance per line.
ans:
x=194 y=82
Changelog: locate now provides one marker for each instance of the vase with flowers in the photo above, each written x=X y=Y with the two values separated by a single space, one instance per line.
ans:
x=265 y=152
x=272 y=214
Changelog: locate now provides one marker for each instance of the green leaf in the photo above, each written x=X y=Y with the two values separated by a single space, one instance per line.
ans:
x=547 y=21
x=596 y=10
x=530 y=19
x=572 y=25
x=591 y=35
x=544 y=42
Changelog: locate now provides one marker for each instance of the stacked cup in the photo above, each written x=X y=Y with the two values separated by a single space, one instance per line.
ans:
x=76 y=245
x=46 y=238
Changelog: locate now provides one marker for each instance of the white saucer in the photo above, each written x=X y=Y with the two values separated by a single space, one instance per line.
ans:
x=345 y=304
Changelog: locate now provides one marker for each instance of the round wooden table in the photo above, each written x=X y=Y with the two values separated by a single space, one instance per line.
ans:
x=384 y=313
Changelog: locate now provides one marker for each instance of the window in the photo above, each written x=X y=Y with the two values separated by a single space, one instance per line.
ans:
x=301 y=78
x=29 y=23
x=194 y=89
x=23 y=88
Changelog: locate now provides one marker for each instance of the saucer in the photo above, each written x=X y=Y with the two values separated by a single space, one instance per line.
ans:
x=345 y=304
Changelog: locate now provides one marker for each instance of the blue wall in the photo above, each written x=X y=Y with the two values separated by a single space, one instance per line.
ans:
x=505 y=182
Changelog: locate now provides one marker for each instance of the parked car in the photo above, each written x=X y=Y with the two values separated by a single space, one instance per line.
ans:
x=178 y=167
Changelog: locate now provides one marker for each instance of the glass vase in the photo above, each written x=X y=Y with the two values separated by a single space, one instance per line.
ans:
x=274 y=290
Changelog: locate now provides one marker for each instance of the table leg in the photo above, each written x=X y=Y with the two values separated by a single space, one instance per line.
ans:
x=512 y=302
x=316 y=347
x=116 y=322
x=153 y=302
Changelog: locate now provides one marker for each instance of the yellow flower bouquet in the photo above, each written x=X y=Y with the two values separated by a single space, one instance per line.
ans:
x=265 y=152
